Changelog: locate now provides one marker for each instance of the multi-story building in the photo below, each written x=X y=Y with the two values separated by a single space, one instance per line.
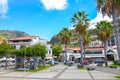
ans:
x=96 y=52
x=17 y=43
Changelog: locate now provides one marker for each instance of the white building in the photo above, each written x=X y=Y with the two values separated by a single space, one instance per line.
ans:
x=74 y=54
x=18 y=43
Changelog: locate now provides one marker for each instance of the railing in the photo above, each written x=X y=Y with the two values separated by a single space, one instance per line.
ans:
x=19 y=42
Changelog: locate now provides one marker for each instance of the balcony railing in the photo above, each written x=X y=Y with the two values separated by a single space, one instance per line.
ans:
x=19 y=42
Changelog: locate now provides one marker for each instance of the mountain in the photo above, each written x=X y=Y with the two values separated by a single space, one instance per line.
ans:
x=2 y=38
x=12 y=34
x=55 y=39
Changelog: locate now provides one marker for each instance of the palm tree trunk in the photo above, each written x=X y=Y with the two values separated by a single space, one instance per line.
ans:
x=105 y=48
x=6 y=61
x=65 y=53
x=35 y=62
x=116 y=32
x=43 y=61
x=84 y=52
x=81 y=47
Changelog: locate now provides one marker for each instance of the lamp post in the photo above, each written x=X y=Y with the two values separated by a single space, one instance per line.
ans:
x=118 y=36
x=92 y=53
x=6 y=61
x=24 y=58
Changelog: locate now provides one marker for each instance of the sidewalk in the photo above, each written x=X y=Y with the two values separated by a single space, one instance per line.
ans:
x=107 y=70
x=72 y=73
x=59 y=72
x=44 y=74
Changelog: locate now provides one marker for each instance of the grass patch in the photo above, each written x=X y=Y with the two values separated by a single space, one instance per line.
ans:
x=82 y=68
x=117 y=77
x=113 y=65
x=39 y=69
x=105 y=66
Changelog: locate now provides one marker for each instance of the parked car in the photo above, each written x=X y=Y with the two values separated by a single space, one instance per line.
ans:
x=56 y=62
x=69 y=63
x=86 y=62
x=3 y=64
x=99 y=61
x=48 y=62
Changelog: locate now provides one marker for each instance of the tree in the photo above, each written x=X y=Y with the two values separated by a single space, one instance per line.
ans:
x=112 y=9
x=31 y=51
x=57 y=50
x=86 y=41
x=81 y=24
x=4 y=49
x=104 y=31
x=38 y=50
x=65 y=36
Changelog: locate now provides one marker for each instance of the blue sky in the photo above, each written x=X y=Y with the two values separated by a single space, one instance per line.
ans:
x=43 y=18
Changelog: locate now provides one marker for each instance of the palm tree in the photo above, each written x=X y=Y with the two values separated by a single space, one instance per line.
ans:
x=65 y=37
x=112 y=9
x=104 y=31
x=86 y=41
x=81 y=24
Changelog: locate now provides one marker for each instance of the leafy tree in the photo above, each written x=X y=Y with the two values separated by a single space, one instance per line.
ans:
x=65 y=37
x=104 y=32
x=4 y=48
x=31 y=51
x=56 y=50
x=112 y=9
x=81 y=24
x=38 y=50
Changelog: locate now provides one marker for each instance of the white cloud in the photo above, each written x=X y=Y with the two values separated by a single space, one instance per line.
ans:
x=3 y=8
x=99 y=18
x=54 y=4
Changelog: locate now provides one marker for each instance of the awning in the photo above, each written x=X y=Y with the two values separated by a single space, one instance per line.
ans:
x=50 y=57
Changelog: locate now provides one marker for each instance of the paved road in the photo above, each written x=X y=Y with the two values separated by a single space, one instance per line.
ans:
x=58 y=72
x=108 y=70
x=72 y=73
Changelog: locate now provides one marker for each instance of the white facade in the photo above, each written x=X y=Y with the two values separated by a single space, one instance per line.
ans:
x=98 y=54
x=17 y=43
x=34 y=40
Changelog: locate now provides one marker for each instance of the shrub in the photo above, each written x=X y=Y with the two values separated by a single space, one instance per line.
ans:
x=115 y=62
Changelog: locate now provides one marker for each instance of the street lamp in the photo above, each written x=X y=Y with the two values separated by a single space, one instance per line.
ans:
x=92 y=53
x=6 y=61
x=24 y=58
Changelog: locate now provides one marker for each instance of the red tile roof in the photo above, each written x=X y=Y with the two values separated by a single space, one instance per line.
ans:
x=89 y=48
x=23 y=38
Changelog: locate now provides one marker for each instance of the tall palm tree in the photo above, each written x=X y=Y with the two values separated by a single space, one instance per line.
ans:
x=65 y=37
x=104 y=31
x=112 y=9
x=86 y=41
x=81 y=24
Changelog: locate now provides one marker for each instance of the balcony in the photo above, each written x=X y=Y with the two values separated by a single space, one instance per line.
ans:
x=19 y=43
